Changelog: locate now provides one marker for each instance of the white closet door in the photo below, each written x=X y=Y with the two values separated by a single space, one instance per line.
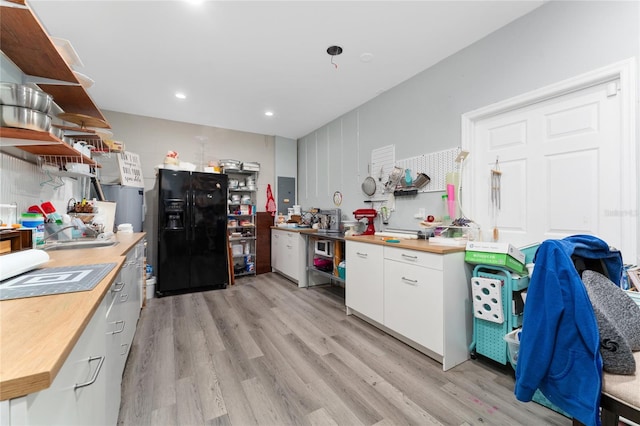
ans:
x=561 y=168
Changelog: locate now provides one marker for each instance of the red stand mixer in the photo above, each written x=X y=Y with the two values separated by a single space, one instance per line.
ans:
x=370 y=215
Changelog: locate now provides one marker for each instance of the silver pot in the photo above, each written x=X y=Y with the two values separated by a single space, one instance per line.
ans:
x=24 y=118
x=230 y=164
x=20 y=95
x=57 y=132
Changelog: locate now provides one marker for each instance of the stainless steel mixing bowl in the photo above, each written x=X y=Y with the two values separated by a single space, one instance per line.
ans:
x=24 y=118
x=21 y=95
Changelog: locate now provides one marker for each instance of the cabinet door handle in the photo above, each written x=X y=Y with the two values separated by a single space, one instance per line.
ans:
x=125 y=346
x=115 y=288
x=406 y=256
x=124 y=297
x=95 y=374
x=121 y=329
x=289 y=246
x=362 y=254
x=408 y=281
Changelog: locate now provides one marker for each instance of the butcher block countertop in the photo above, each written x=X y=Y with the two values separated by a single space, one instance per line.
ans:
x=37 y=334
x=420 y=245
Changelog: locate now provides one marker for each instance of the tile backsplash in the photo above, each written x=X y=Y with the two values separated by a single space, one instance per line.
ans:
x=25 y=184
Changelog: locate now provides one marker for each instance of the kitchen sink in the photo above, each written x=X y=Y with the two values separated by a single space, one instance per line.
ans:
x=79 y=244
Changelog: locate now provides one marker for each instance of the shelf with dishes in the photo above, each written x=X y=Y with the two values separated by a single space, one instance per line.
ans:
x=28 y=110
x=25 y=42
x=241 y=212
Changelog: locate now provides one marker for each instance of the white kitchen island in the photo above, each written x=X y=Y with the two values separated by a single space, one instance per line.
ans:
x=418 y=292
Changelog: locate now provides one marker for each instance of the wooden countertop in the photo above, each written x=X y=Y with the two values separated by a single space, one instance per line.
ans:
x=420 y=245
x=299 y=230
x=37 y=334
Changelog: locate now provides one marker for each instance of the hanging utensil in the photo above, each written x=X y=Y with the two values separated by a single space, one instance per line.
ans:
x=369 y=184
x=394 y=179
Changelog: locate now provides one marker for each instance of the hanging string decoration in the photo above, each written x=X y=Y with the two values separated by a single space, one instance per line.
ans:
x=496 y=176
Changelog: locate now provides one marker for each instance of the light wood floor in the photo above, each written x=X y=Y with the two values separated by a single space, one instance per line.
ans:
x=264 y=352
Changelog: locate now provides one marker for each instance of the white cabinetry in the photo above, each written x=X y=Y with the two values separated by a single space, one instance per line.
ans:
x=413 y=296
x=288 y=250
x=122 y=316
x=86 y=390
x=420 y=297
x=78 y=391
x=364 y=287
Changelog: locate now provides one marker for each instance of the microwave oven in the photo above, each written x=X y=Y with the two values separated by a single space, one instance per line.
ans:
x=324 y=247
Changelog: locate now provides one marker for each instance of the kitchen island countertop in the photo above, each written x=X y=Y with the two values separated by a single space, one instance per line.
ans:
x=420 y=245
x=38 y=333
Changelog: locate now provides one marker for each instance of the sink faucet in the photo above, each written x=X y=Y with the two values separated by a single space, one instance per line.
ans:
x=64 y=228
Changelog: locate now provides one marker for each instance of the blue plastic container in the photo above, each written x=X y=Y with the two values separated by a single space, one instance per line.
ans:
x=34 y=221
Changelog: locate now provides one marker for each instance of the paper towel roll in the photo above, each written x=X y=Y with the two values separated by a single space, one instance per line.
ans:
x=17 y=263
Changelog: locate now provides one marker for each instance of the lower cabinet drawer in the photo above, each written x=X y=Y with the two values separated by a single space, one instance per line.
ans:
x=413 y=303
x=414 y=257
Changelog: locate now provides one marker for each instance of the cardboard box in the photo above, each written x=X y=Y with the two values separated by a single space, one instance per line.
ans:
x=497 y=259
x=114 y=146
x=490 y=247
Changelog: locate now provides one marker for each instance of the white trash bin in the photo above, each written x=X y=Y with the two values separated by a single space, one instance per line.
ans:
x=151 y=287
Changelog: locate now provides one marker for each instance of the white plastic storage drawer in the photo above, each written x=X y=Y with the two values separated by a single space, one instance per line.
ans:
x=414 y=257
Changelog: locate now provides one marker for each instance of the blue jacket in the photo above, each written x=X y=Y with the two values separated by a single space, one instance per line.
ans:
x=559 y=345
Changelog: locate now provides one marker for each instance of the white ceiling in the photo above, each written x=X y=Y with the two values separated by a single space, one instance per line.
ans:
x=237 y=59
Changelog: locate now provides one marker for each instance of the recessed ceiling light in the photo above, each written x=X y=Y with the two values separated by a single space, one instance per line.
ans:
x=366 y=57
x=181 y=95
x=269 y=113
x=196 y=2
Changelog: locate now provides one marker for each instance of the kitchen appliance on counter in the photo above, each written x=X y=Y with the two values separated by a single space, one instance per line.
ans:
x=329 y=221
x=370 y=215
x=192 y=231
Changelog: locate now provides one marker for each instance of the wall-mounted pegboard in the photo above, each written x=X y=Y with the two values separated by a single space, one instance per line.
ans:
x=436 y=165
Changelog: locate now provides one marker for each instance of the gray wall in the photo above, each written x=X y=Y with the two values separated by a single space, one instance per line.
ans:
x=151 y=138
x=559 y=40
x=286 y=161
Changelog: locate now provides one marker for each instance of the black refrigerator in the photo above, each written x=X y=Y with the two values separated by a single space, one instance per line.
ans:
x=192 y=232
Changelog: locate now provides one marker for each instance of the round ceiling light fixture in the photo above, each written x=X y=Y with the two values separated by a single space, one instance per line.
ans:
x=334 y=50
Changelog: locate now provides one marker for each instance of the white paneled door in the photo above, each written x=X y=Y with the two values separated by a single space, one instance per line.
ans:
x=560 y=164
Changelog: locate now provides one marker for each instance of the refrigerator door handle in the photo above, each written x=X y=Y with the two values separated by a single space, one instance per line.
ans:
x=192 y=215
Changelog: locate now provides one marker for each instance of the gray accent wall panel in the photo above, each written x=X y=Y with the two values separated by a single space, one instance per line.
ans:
x=556 y=41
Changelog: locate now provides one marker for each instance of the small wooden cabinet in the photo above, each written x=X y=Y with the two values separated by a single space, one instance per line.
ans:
x=264 y=221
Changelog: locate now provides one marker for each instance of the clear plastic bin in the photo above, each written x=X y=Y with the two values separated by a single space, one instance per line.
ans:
x=513 y=343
